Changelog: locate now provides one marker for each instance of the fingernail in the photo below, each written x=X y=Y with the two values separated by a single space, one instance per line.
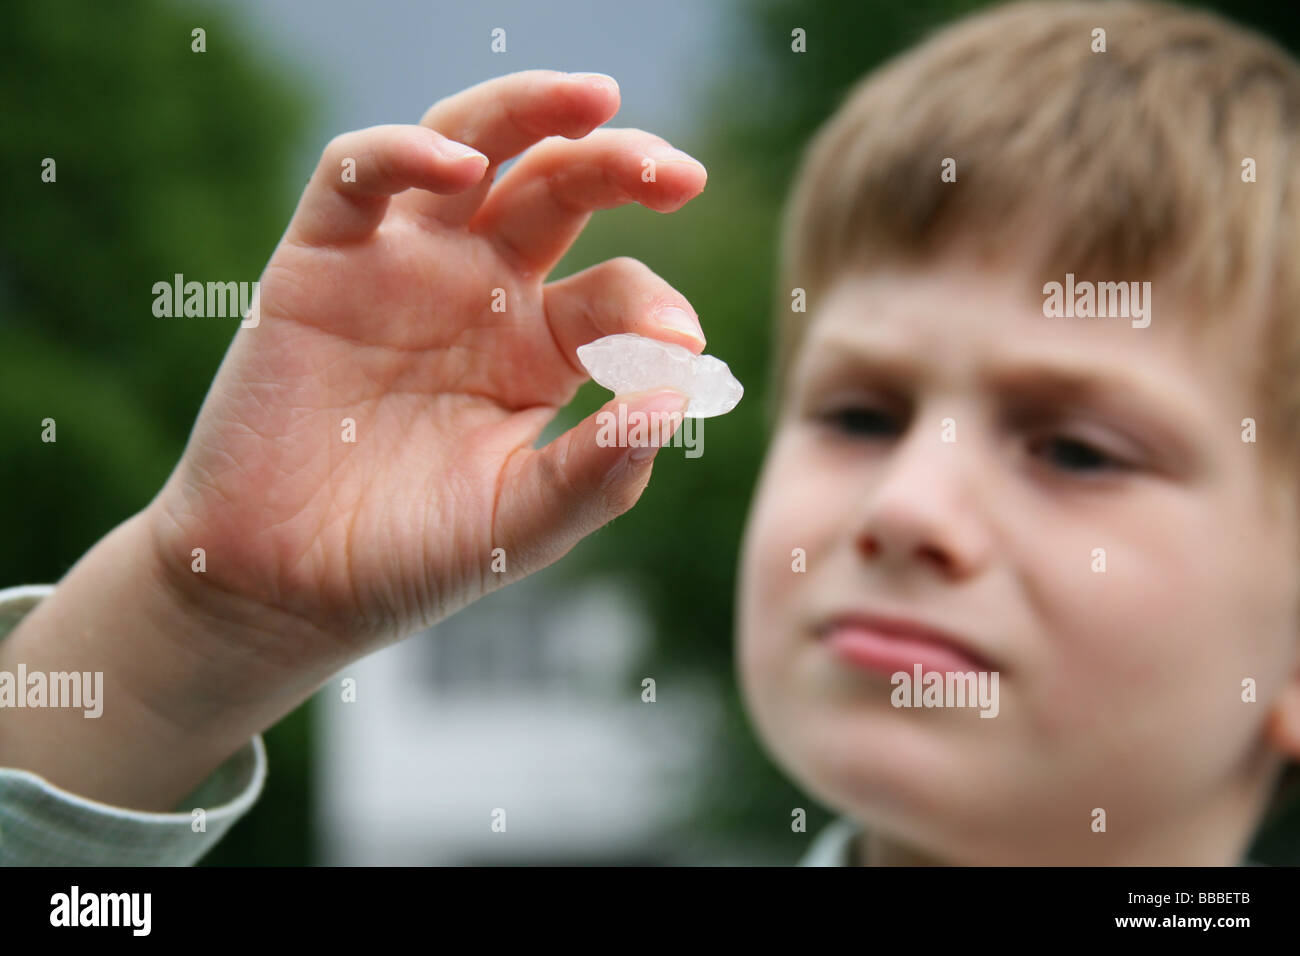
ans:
x=665 y=400
x=665 y=403
x=674 y=155
x=639 y=455
x=601 y=80
x=454 y=150
x=679 y=320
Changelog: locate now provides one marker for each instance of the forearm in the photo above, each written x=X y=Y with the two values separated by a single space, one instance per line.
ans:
x=177 y=700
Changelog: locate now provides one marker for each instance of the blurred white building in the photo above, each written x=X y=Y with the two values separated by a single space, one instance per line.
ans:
x=524 y=702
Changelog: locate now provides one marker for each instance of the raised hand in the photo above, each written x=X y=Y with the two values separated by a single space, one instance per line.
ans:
x=367 y=444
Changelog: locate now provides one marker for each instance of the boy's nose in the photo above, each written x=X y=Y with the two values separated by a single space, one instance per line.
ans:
x=923 y=509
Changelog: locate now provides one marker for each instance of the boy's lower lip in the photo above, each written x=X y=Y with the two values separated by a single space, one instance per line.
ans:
x=883 y=653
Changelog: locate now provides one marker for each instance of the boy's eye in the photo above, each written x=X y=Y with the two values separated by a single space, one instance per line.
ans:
x=1061 y=451
x=1071 y=454
x=862 y=421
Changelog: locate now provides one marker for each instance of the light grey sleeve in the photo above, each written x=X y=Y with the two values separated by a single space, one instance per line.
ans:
x=43 y=825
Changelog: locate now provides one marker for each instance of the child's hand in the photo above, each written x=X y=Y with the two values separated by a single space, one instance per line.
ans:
x=317 y=549
x=408 y=306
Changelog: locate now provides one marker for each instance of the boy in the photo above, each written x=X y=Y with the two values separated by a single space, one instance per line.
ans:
x=1073 y=508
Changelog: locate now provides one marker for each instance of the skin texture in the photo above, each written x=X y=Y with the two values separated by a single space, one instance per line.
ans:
x=1118 y=690
x=376 y=306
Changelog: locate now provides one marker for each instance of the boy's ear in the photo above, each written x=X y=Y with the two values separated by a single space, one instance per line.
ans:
x=1284 y=721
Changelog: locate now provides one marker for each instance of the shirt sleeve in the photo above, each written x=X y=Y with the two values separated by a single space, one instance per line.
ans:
x=43 y=825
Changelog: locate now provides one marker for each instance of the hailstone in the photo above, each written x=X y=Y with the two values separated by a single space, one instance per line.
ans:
x=634 y=363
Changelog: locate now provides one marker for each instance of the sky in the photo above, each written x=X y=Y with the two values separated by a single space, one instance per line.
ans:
x=387 y=61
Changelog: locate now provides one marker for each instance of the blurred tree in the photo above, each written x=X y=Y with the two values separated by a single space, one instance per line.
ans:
x=166 y=161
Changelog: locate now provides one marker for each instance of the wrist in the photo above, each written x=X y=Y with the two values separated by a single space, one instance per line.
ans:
x=243 y=657
x=172 y=707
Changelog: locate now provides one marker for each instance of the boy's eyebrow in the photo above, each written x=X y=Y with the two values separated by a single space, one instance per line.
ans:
x=1049 y=375
x=840 y=356
x=1065 y=380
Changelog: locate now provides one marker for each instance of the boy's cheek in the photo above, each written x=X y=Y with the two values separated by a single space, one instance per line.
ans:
x=768 y=591
x=1134 y=668
x=800 y=504
x=780 y=531
x=778 y=566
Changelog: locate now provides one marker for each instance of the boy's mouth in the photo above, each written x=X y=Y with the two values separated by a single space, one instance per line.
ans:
x=890 y=643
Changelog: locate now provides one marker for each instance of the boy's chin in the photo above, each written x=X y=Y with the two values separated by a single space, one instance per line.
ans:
x=871 y=762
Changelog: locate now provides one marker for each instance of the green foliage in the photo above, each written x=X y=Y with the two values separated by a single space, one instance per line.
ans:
x=166 y=161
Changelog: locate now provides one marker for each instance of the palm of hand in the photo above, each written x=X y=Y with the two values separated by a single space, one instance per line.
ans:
x=368 y=444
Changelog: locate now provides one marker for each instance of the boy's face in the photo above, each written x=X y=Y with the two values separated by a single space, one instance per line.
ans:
x=1118 y=689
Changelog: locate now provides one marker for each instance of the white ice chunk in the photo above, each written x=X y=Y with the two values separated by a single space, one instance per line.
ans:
x=633 y=363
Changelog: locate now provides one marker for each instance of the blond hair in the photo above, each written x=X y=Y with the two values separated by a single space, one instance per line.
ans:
x=1127 y=163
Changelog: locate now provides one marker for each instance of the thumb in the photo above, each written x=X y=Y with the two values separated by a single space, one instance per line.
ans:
x=585 y=478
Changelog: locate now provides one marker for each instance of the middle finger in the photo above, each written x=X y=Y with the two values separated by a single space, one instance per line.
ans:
x=503 y=116
x=541 y=205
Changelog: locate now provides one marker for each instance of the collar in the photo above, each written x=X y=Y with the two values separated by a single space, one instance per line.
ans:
x=833 y=846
